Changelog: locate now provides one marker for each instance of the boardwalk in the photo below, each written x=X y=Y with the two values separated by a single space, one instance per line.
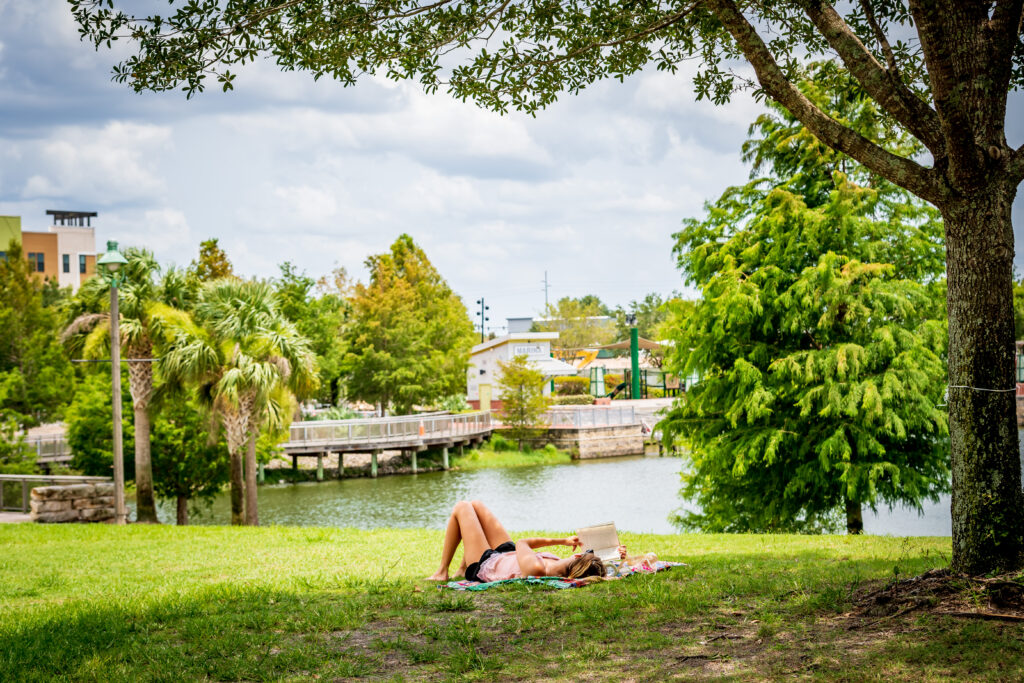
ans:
x=413 y=432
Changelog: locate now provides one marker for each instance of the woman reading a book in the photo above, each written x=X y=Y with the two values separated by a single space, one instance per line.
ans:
x=496 y=557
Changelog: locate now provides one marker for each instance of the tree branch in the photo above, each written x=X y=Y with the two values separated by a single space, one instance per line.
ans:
x=883 y=42
x=921 y=181
x=883 y=86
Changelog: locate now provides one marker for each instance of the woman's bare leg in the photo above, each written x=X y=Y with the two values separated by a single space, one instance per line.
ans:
x=464 y=526
x=493 y=530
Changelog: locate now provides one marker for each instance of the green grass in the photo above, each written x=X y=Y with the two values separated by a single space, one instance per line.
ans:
x=219 y=603
x=500 y=452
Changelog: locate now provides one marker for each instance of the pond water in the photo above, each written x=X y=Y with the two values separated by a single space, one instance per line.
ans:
x=638 y=493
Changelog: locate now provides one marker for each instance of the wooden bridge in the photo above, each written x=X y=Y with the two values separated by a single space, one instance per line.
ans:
x=413 y=433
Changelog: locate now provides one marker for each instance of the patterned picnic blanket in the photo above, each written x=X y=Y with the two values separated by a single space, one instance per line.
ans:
x=616 y=570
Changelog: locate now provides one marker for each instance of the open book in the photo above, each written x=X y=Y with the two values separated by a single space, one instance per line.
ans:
x=603 y=539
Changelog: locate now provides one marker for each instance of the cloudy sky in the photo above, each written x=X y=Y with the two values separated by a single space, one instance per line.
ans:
x=287 y=169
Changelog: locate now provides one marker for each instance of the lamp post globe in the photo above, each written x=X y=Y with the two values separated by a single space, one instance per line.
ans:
x=111 y=263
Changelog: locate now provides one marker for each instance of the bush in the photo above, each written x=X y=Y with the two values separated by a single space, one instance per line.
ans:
x=611 y=381
x=90 y=418
x=571 y=385
x=500 y=443
x=576 y=400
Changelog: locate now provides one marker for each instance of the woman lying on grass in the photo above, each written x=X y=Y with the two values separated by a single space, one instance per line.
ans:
x=483 y=537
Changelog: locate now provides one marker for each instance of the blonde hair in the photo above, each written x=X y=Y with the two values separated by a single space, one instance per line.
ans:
x=587 y=567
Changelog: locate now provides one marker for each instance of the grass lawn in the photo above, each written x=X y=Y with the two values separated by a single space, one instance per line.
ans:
x=167 y=603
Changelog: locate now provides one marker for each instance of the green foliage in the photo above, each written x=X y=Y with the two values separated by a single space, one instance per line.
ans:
x=189 y=461
x=456 y=403
x=337 y=413
x=820 y=336
x=89 y=421
x=580 y=323
x=16 y=456
x=1018 y=309
x=319 y=316
x=573 y=400
x=36 y=375
x=570 y=384
x=522 y=397
x=408 y=338
x=651 y=313
x=212 y=264
x=502 y=452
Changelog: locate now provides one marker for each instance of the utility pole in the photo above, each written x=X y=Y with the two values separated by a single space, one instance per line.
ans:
x=483 y=317
x=546 y=288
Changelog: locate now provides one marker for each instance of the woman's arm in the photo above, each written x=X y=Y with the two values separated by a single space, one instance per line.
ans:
x=529 y=563
x=543 y=542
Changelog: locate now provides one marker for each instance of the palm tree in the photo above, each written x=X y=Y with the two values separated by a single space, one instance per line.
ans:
x=246 y=361
x=144 y=304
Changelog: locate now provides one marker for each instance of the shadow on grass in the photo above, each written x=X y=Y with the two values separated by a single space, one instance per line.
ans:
x=369 y=627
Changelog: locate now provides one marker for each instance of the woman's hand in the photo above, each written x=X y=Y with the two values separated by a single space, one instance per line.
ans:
x=622 y=552
x=573 y=541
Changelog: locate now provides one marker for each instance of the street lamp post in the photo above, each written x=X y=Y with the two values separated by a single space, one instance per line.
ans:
x=111 y=263
x=634 y=356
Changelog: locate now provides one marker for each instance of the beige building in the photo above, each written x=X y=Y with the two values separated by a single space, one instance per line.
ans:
x=482 y=386
x=66 y=251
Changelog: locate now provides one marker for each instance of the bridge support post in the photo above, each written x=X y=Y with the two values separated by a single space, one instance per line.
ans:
x=373 y=464
x=261 y=475
x=413 y=461
x=461 y=450
x=319 y=466
x=444 y=457
x=295 y=462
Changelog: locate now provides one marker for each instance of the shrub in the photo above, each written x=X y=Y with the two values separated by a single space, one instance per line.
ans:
x=500 y=443
x=570 y=385
x=611 y=381
x=575 y=400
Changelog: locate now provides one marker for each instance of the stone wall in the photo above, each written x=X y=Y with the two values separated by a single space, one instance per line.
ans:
x=596 y=442
x=74 y=503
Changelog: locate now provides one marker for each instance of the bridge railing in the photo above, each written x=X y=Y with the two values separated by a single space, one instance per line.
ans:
x=591 y=416
x=368 y=431
x=25 y=482
x=50 y=448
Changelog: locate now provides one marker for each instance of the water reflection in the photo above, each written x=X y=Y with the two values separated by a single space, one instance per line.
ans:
x=638 y=493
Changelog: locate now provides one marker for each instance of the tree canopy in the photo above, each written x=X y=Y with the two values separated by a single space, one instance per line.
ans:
x=580 y=323
x=919 y=62
x=820 y=339
x=408 y=337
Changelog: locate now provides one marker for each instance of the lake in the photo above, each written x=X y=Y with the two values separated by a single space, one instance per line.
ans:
x=637 y=493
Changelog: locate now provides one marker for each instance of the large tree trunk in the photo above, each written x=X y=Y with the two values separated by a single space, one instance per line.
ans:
x=854 y=517
x=182 y=511
x=251 y=514
x=237 y=486
x=145 y=504
x=988 y=524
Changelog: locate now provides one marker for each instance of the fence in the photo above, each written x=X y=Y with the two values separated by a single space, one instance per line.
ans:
x=12 y=481
x=591 y=416
x=371 y=431
x=52 y=448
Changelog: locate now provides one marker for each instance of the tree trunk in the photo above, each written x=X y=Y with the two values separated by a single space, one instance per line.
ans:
x=854 y=517
x=237 y=486
x=140 y=382
x=145 y=503
x=251 y=515
x=182 y=511
x=988 y=527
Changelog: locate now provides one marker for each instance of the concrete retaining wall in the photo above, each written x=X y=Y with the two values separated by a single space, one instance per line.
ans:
x=74 y=503
x=596 y=442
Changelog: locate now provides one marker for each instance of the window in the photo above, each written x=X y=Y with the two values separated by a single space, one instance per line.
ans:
x=67 y=263
x=37 y=261
x=81 y=263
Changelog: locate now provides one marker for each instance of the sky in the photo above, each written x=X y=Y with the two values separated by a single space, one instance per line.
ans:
x=589 y=192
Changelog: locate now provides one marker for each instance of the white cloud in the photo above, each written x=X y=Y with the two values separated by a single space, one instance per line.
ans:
x=109 y=164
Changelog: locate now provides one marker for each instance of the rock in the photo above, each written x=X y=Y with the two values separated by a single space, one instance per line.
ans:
x=47 y=506
x=97 y=514
x=104 y=489
x=53 y=517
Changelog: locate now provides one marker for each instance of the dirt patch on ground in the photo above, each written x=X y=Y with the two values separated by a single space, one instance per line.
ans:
x=942 y=592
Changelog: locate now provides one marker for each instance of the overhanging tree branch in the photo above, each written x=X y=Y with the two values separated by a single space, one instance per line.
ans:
x=904 y=172
x=885 y=87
